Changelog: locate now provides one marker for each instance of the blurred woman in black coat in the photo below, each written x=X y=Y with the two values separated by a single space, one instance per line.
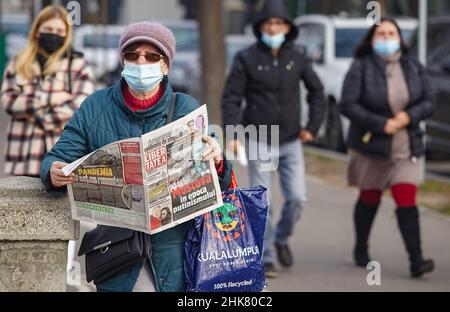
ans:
x=386 y=94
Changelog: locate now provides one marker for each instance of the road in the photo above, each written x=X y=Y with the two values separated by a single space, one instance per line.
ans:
x=323 y=240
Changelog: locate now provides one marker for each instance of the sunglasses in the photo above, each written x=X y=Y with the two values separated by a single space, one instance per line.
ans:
x=150 y=57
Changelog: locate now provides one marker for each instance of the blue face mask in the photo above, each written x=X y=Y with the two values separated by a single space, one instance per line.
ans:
x=386 y=48
x=142 y=78
x=273 y=42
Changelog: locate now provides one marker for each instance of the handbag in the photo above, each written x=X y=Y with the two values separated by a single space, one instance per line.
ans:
x=112 y=250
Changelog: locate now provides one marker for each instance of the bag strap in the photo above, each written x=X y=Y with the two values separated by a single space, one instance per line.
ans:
x=171 y=112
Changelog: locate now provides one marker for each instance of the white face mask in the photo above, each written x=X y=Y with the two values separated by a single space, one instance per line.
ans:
x=142 y=78
x=386 y=47
x=274 y=41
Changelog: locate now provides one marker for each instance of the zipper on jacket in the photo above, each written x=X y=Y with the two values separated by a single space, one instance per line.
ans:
x=276 y=63
x=278 y=75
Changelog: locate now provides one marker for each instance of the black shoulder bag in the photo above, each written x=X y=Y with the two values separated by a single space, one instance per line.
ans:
x=112 y=250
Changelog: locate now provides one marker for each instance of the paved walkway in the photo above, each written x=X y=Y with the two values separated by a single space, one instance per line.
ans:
x=323 y=242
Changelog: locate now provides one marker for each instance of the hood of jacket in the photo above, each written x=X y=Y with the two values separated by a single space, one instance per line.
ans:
x=274 y=8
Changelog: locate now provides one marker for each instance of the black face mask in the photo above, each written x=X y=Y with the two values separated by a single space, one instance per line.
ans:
x=50 y=42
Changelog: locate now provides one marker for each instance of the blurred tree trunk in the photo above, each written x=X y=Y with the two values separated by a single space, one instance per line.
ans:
x=383 y=7
x=209 y=16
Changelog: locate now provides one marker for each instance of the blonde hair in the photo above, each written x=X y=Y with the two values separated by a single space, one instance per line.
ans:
x=23 y=66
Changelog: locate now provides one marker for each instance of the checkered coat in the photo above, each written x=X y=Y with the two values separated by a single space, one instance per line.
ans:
x=39 y=110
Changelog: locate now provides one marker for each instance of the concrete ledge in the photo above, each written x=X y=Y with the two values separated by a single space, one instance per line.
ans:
x=28 y=213
x=34 y=232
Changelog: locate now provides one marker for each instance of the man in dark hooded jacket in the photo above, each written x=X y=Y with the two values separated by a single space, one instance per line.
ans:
x=267 y=75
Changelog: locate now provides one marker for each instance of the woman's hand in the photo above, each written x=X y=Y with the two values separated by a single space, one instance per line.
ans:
x=57 y=177
x=403 y=119
x=213 y=150
x=392 y=126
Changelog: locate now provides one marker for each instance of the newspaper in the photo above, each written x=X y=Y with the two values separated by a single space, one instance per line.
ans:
x=150 y=183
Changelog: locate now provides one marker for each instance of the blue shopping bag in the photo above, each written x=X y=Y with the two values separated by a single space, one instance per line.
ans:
x=224 y=248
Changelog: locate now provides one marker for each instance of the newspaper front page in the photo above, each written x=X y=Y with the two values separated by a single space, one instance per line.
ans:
x=150 y=183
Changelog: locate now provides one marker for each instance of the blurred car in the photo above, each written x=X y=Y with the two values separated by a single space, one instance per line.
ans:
x=15 y=27
x=185 y=73
x=100 y=46
x=438 y=68
x=329 y=41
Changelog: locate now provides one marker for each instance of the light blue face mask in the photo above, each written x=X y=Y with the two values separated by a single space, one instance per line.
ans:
x=386 y=48
x=273 y=42
x=142 y=78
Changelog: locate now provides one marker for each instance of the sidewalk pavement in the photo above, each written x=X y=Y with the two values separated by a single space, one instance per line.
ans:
x=323 y=240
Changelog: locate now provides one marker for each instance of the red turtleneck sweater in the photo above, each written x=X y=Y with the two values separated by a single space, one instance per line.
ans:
x=135 y=104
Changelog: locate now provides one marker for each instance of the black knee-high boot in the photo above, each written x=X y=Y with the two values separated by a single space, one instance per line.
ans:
x=408 y=222
x=363 y=217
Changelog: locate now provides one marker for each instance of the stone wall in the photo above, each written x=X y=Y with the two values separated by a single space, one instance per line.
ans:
x=34 y=232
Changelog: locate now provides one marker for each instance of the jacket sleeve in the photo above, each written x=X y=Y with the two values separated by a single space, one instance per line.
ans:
x=82 y=86
x=315 y=98
x=425 y=108
x=71 y=146
x=350 y=105
x=235 y=86
x=16 y=102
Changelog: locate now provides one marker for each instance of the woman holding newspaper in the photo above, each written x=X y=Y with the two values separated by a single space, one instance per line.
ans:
x=135 y=105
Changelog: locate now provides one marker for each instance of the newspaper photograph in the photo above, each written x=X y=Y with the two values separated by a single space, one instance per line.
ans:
x=150 y=183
